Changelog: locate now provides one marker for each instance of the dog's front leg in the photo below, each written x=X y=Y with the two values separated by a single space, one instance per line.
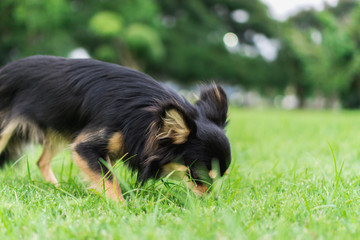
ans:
x=87 y=154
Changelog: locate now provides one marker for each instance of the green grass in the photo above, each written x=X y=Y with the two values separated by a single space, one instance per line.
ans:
x=284 y=183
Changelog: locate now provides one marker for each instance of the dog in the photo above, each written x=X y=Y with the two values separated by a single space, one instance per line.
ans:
x=104 y=111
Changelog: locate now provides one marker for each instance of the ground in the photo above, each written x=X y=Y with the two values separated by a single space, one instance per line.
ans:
x=294 y=175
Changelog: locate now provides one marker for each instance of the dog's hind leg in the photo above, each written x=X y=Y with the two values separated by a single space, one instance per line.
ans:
x=44 y=163
x=5 y=135
x=88 y=150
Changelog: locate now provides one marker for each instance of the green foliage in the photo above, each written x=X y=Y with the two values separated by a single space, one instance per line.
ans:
x=182 y=40
x=105 y=53
x=106 y=24
x=144 y=41
x=38 y=15
x=194 y=41
x=139 y=11
x=34 y=27
x=325 y=48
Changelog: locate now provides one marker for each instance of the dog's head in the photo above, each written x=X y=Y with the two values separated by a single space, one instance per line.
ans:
x=195 y=142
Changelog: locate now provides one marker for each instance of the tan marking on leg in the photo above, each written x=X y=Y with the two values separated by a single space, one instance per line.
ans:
x=115 y=143
x=6 y=135
x=44 y=164
x=88 y=136
x=82 y=137
x=53 y=144
x=152 y=142
x=112 y=188
x=116 y=193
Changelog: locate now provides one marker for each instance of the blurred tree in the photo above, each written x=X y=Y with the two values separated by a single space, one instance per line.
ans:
x=178 y=39
x=290 y=64
x=123 y=31
x=324 y=50
x=193 y=36
x=34 y=27
x=350 y=96
x=197 y=40
x=115 y=31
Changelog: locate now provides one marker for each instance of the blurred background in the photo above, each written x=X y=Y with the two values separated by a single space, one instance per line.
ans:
x=267 y=53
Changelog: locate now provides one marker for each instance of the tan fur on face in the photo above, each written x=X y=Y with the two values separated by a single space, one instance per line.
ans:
x=174 y=127
x=151 y=143
x=177 y=171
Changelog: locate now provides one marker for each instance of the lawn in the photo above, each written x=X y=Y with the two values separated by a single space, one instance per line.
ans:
x=293 y=175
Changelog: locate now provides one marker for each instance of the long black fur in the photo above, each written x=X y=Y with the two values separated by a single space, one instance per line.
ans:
x=72 y=96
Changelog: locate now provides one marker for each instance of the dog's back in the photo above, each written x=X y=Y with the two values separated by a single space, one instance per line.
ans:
x=67 y=94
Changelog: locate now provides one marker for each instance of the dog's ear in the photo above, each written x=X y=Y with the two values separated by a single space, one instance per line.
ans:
x=176 y=125
x=214 y=104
